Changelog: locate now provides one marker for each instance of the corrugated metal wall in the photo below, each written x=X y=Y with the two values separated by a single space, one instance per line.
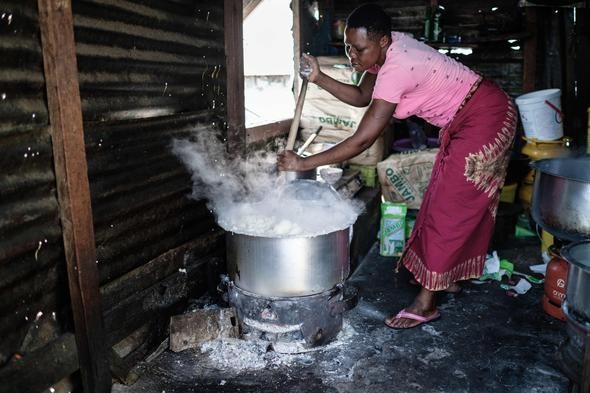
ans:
x=406 y=15
x=149 y=71
x=32 y=269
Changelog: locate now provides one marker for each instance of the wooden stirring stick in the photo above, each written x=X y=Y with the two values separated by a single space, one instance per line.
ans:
x=297 y=116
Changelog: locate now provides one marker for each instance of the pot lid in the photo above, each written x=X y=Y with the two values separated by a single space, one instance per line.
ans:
x=578 y=254
x=311 y=191
x=571 y=168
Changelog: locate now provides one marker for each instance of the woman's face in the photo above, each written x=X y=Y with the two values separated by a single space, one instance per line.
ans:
x=362 y=51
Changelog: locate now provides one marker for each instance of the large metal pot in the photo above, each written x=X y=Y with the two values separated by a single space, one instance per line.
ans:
x=577 y=292
x=561 y=197
x=290 y=266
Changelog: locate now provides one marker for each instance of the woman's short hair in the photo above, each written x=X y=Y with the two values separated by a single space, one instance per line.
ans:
x=372 y=17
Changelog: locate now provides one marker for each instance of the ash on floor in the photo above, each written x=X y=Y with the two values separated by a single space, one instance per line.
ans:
x=485 y=341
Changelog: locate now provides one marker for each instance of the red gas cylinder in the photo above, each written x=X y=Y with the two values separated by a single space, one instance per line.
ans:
x=555 y=281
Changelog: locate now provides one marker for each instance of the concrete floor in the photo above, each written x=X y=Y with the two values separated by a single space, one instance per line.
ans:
x=485 y=341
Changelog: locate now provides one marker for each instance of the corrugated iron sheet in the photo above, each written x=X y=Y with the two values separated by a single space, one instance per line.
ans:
x=32 y=270
x=140 y=192
x=141 y=59
x=149 y=71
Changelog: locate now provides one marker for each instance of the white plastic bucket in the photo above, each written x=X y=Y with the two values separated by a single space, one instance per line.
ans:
x=540 y=113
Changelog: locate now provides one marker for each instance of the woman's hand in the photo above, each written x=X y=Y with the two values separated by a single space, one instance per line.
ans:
x=309 y=68
x=287 y=160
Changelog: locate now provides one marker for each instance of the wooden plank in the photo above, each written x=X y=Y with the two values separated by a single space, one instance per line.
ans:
x=159 y=300
x=65 y=117
x=163 y=299
x=40 y=369
x=150 y=273
x=529 y=72
x=234 y=66
x=267 y=131
x=122 y=369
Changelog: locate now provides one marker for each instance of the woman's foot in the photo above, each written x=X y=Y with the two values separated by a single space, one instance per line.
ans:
x=454 y=288
x=423 y=307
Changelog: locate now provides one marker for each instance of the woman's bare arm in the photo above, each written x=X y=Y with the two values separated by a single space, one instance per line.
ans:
x=373 y=122
x=354 y=95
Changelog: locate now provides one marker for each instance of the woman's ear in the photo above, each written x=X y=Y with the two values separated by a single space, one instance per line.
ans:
x=384 y=41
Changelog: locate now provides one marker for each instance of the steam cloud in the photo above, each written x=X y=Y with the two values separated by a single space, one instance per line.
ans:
x=251 y=197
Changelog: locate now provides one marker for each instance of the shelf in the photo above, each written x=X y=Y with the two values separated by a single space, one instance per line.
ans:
x=466 y=44
x=445 y=45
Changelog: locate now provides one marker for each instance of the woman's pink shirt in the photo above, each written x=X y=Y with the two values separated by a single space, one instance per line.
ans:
x=421 y=81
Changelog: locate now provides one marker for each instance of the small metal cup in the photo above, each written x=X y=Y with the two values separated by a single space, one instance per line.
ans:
x=294 y=175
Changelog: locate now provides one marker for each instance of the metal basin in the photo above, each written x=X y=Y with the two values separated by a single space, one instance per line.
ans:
x=293 y=266
x=561 y=197
x=577 y=292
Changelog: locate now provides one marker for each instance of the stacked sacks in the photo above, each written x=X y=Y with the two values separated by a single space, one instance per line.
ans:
x=405 y=176
x=337 y=119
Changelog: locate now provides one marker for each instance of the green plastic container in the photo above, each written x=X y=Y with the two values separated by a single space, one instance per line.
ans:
x=392 y=229
x=368 y=173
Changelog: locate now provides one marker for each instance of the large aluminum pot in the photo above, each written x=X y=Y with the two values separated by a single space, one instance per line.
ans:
x=577 y=292
x=561 y=197
x=290 y=266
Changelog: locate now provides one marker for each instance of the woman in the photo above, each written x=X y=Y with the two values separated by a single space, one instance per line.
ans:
x=404 y=77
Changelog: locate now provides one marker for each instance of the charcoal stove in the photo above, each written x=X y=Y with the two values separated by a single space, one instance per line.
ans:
x=290 y=289
x=292 y=324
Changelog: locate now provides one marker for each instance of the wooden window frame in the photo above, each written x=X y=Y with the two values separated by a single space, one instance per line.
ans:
x=238 y=136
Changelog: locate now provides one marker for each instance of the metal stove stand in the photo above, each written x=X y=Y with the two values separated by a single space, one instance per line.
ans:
x=292 y=324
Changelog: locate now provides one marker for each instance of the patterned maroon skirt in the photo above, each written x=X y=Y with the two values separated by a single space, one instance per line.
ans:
x=456 y=219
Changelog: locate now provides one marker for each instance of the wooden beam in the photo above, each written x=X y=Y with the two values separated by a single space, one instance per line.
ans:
x=234 y=66
x=158 y=301
x=69 y=155
x=117 y=291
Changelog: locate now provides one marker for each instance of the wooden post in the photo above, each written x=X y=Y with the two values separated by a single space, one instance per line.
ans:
x=234 y=66
x=65 y=117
